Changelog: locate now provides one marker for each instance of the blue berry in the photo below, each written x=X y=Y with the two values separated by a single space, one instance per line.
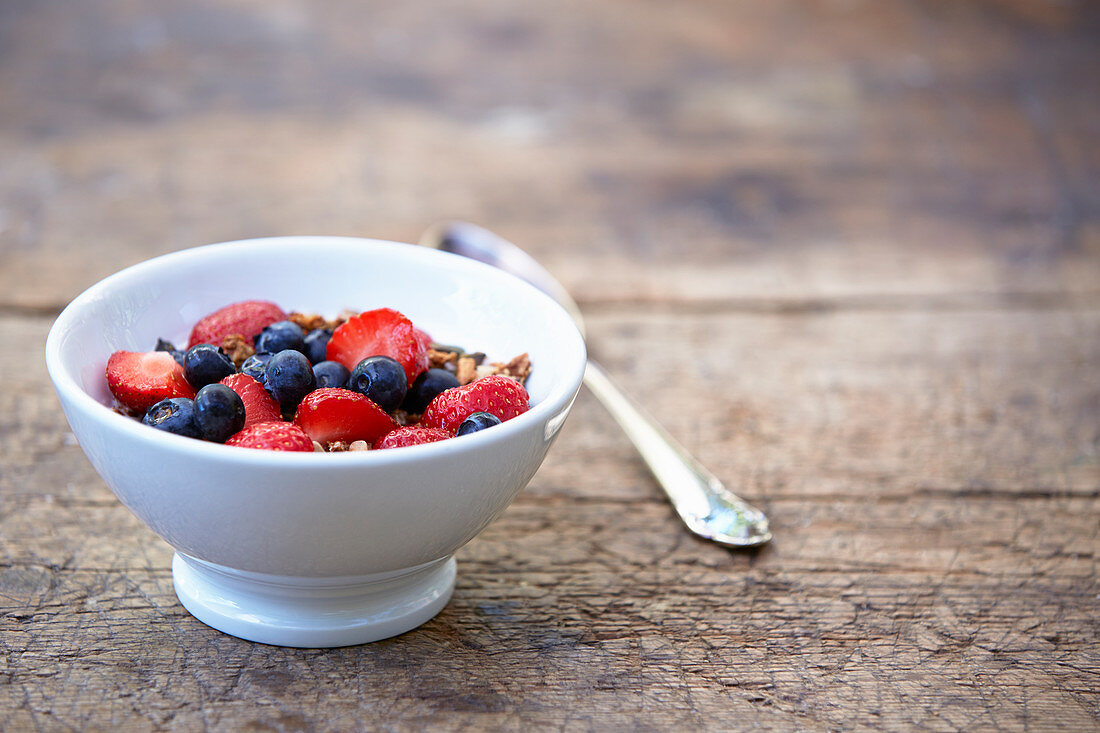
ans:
x=255 y=366
x=289 y=378
x=331 y=374
x=382 y=379
x=316 y=345
x=174 y=415
x=280 y=336
x=219 y=411
x=477 y=421
x=205 y=364
x=426 y=387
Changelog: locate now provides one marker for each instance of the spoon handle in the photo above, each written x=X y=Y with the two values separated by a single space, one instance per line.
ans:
x=706 y=506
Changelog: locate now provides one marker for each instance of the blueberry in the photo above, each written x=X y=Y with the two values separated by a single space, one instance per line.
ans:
x=168 y=346
x=255 y=366
x=219 y=411
x=289 y=378
x=331 y=374
x=280 y=336
x=477 y=421
x=174 y=415
x=425 y=388
x=316 y=345
x=382 y=379
x=205 y=364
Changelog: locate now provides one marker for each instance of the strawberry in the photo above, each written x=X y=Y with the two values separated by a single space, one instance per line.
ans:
x=412 y=435
x=282 y=436
x=332 y=413
x=381 y=332
x=424 y=339
x=259 y=406
x=246 y=318
x=496 y=394
x=140 y=380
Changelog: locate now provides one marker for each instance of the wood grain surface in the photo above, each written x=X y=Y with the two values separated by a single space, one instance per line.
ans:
x=848 y=252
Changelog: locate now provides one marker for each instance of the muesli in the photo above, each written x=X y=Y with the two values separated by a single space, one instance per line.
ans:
x=255 y=376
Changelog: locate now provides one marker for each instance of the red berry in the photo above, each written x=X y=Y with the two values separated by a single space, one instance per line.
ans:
x=332 y=413
x=140 y=380
x=381 y=332
x=259 y=405
x=496 y=394
x=247 y=318
x=282 y=436
x=423 y=337
x=412 y=435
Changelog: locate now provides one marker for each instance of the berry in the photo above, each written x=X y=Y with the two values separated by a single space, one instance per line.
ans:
x=339 y=414
x=175 y=415
x=255 y=366
x=412 y=435
x=140 y=380
x=496 y=394
x=332 y=374
x=259 y=406
x=382 y=379
x=282 y=436
x=477 y=421
x=280 y=336
x=426 y=387
x=220 y=412
x=381 y=332
x=247 y=318
x=168 y=346
x=289 y=378
x=316 y=345
x=205 y=364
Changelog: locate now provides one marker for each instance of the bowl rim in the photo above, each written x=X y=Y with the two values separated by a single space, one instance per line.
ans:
x=559 y=398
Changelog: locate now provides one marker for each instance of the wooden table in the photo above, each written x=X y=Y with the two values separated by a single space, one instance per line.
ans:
x=848 y=252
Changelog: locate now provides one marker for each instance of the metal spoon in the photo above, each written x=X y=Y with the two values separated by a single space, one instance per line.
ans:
x=708 y=508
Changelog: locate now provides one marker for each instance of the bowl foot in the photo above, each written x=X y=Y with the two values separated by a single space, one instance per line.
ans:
x=312 y=612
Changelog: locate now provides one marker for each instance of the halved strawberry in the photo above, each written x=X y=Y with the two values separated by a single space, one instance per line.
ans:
x=496 y=394
x=259 y=405
x=282 y=436
x=247 y=318
x=331 y=413
x=381 y=332
x=412 y=435
x=139 y=380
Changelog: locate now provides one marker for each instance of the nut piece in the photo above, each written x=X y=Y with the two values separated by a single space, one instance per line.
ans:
x=307 y=321
x=336 y=446
x=518 y=368
x=359 y=445
x=318 y=448
x=237 y=348
x=441 y=359
x=466 y=370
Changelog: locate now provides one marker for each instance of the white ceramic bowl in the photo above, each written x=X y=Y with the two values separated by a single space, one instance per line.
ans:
x=314 y=549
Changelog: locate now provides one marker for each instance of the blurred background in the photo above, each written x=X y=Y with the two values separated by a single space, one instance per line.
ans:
x=794 y=149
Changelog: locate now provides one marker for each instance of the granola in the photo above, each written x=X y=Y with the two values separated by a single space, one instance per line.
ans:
x=378 y=382
x=237 y=348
